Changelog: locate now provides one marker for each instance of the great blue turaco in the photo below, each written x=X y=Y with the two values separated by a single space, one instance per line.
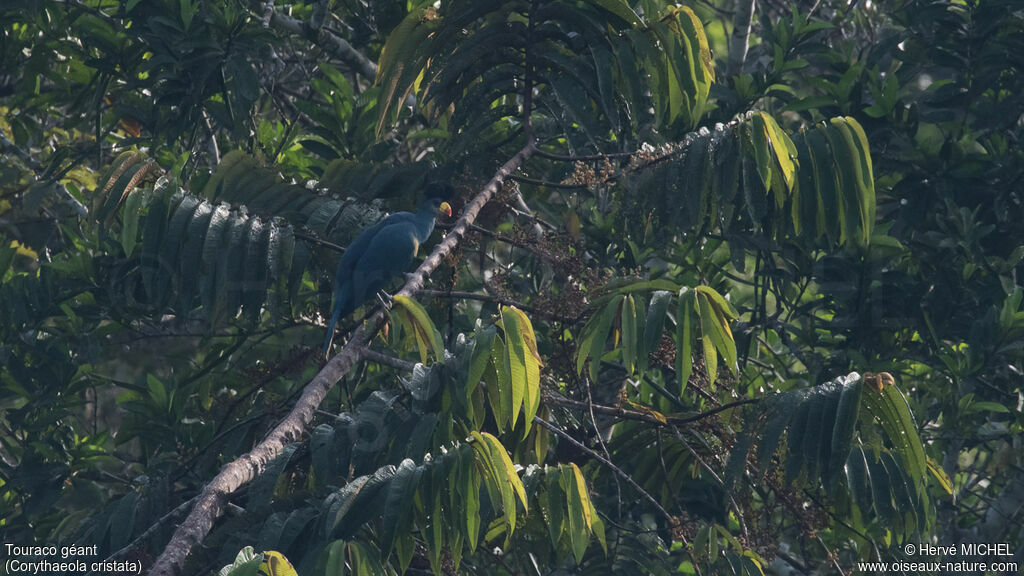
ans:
x=383 y=251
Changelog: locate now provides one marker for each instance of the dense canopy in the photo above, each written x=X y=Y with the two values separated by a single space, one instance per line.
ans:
x=727 y=287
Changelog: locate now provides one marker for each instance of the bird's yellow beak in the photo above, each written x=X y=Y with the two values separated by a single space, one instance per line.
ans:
x=445 y=209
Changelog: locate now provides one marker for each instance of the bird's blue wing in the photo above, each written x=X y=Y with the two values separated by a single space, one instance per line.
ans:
x=357 y=276
x=390 y=252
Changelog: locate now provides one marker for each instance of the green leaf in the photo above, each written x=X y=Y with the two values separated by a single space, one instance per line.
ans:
x=398 y=505
x=940 y=475
x=499 y=391
x=620 y=9
x=554 y=505
x=419 y=323
x=684 y=337
x=987 y=406
x=130 y=222
x=711 y=337
x=655 y=322
x=890 y=408
x=816 y=408
x=336 y=559
x=515 y=362
x=718 y=310
x=783 y=149
x=757 y=133
x=593 y=343
x=401 y=60
x=468 y=489
x=847 y=414
x=629 y=332
x=532 y=362
x=826 y=188
x=246 y=563
x=481 y=355
x=849 y=194
x=503 y=475
x=867 y=176
x=578 y=515
x=860 y=193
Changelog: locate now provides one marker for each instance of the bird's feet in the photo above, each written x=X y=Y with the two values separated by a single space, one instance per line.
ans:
x=386 y=299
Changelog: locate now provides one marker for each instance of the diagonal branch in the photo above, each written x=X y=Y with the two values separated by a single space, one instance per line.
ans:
x=316 y=32
x=211 y=501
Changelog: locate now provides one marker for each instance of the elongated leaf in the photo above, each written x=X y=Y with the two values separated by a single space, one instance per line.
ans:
x=783 y=149
x=629 y=333
x=847 y=412
x=553 y=504
x=826 y=187
x=655 y=323
x=479 y=359
x=501 y=475
x=893 y=413
x=715 y=313
x=848 y=193
x=594 y=341
x=503 y=465
x=424 y=328
x=858 y=155
x=468 y=489
x=578 y=525
x=533 y=363
x=499 y=390
x=130 y=222
x=711 y=337
x=620 y=9
x=398 y=505
x=684 y=337
x=757 y=133
x=515 y=363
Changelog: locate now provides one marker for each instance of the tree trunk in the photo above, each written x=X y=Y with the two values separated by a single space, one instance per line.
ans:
x=743 y=15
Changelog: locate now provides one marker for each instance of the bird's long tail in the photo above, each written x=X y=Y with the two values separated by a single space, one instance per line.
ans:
x=335 y=315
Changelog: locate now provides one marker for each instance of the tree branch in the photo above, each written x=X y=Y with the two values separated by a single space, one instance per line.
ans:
x=322 y=36
x=211 y=501
x=739 y=41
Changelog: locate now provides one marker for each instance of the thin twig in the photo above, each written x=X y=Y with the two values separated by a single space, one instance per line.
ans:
x=461 y=295
x=604 y=447
x=11 y=148
x=585 y=157
x=178 y=511
x=385 y=360
x=324 y=243
x=629 y=479
x=547 y=184
x=642 y=417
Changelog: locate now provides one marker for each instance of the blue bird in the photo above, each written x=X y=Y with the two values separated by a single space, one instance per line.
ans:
x=381 y=252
